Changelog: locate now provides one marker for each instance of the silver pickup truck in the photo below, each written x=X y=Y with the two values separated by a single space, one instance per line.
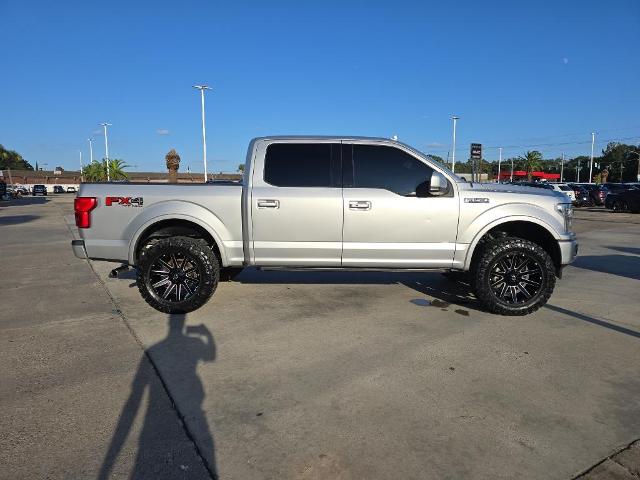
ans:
x=332 y=203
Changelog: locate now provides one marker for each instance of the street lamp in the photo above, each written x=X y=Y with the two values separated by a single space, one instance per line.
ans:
x=593 y=141
x=90 y=140
x=499 y=162
x=202 y=88
x=453 y=150
x=106 y=148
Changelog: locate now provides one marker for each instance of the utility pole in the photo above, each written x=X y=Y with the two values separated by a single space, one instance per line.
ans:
x=499 y=162
x=511 y=178
x=202 y=88
x=81 y=169
x=106 y=148
x=562 y=168
x=453 y=150
x=593 y=141
x=578 y=172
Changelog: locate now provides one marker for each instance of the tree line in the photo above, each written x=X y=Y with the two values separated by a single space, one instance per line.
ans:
x=618 y=162
x=12 y=159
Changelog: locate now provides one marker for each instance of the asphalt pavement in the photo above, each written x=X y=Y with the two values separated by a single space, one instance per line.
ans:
x=308 y=375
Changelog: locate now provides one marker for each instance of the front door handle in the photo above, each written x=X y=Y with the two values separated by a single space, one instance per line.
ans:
x=268 y=203
x=359 y=205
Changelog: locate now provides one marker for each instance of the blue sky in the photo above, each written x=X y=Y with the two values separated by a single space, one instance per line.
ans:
x=523 y=75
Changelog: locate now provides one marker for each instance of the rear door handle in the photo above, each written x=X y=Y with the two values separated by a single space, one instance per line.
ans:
x=359 y=205
x=268 y=203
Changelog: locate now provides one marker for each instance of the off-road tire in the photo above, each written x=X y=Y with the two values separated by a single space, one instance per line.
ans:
x=199 y=253
x=497 y=250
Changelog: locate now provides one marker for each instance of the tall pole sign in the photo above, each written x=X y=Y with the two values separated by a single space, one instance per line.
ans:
x=476 y=159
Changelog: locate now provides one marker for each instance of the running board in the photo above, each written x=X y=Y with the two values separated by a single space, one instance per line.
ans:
x=351 y=269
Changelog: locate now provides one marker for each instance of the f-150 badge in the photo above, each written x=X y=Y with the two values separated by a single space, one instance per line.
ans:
x=123 y=201
x=476 y=200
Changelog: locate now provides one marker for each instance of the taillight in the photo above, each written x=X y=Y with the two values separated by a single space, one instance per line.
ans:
x=82 y=207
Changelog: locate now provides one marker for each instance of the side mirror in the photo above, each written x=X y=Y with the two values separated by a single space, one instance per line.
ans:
x=438 y=185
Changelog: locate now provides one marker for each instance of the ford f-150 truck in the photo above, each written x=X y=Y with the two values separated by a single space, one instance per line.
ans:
x=331 y=202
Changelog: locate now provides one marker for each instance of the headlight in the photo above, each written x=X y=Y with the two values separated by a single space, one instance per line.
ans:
x=566 y=210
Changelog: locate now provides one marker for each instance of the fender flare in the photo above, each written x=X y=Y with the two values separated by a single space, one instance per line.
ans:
x=500 y=221
x=135 y=237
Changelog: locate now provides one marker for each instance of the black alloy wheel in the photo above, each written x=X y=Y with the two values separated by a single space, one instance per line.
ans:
x=516 y=278
x=177 y=274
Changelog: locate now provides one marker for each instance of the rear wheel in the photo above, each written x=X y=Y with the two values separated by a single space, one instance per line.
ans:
x=177 y=274
x=513 y=276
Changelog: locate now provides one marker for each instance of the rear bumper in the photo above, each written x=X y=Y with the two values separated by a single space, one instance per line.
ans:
x=568 y=251
x=78 y=248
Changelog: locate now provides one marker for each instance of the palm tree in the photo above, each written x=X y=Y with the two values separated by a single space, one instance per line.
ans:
x=531 y=160
x=97 y=171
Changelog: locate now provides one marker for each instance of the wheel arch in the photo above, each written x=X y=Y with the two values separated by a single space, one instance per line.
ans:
x=175 y=225
x=529 y=228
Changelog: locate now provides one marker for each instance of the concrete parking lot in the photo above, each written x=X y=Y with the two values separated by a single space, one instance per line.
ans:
x=307 y=375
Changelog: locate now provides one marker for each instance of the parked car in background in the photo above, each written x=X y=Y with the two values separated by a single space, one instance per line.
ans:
x=596 y=192
x=71 y=190
x=58 y=189
x=619 y=187
x=624 y=201
x=21 y=190
x=583 y=198
x=564 y=188
x=39 y=190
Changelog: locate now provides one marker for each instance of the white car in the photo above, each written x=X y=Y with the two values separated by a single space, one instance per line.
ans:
x=566 y=189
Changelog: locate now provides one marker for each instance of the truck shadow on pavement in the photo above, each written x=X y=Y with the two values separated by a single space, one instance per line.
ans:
x=17 y=219
x=621 y=265
x=23 y=201
x=167 y=375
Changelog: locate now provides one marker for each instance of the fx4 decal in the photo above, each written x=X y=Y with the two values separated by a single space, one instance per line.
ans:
x=124 y=201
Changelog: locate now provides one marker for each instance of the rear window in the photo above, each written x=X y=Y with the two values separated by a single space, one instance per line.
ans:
x=299 y=165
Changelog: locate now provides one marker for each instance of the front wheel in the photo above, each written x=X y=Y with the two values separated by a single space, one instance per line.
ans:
x=177 y=274
x=513 y=277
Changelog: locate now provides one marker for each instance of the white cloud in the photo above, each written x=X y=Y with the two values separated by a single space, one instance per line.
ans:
x=435 y=145
x=163 y=131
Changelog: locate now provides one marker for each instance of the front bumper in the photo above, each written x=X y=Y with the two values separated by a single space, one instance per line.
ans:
x=78 y=248
x=568 y=250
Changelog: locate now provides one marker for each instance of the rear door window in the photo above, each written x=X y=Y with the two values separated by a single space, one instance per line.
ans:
x=302 y=165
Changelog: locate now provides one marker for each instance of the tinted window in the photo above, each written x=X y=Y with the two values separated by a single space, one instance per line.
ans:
x=565 y=188
x=388 y=168
x=300 y=165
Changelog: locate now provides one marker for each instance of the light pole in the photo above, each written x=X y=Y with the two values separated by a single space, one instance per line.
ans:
x=593 y=141
x=202 y=88
x=511 y=178
x=81 y=169
x=453 y=149
x=562 y=168
x=90 y=149
x=499 y=162
x=106 y=148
